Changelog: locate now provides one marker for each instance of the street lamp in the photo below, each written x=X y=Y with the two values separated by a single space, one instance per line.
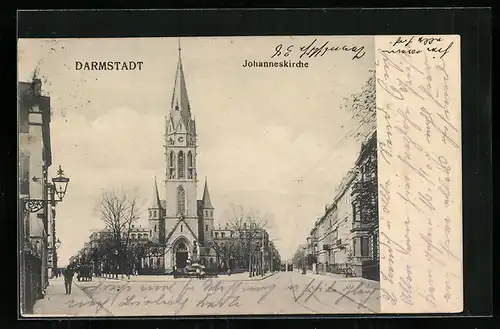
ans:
x=60 y=184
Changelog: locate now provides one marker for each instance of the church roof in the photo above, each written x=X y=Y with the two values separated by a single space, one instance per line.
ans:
x=156 y=197
x=207 y=203
x=180 y=109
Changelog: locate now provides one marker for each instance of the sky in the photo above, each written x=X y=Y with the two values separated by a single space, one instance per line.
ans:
x=273 y=139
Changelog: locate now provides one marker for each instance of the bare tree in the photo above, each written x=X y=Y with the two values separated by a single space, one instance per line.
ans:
x=119 y=210
x=248 y=227
x=362 y=107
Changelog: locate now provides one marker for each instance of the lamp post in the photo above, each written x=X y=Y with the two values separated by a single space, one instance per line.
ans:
x=59 y=183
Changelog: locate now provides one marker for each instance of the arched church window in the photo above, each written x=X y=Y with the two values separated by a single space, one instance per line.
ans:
x=155 y=228
x=171 y=159
x=181 y=200
x=190 y=165
x=182 y=227
x=181 y=165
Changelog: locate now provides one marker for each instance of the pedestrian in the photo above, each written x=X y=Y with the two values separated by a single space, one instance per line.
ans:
x=68 y=274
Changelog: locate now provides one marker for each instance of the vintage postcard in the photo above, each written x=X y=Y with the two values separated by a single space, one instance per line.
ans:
x=254 y=175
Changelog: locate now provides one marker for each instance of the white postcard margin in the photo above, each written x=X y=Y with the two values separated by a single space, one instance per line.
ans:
x=419 y=170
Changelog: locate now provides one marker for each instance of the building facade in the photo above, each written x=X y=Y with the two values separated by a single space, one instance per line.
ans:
x=97 y=252
x=245 y=248
x=35 y=219
x=345 y=238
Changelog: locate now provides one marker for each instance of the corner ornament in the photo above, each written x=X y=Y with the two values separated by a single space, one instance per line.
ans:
x=33 y=205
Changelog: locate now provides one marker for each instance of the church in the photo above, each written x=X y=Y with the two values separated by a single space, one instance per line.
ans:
x=181 y=222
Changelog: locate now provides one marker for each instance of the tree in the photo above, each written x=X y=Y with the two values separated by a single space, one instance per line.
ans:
x=362 y=107
x=299 y=258
x=349 y=262
x=365 y=187
x=119 y=210
x=248 y=227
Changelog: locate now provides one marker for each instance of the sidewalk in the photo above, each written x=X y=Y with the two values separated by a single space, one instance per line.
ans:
x=57 y=303
x=162 y=278
x=333 y=276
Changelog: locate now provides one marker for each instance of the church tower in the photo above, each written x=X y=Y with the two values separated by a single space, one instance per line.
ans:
x=207 y=216
x=156 y=219
x=180 y=151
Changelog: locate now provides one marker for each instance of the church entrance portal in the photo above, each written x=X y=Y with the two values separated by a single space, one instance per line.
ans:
x=181 y=255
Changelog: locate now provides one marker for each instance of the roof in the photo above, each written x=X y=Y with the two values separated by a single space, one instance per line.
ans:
x=156 y=203
x=207 y=203
x=180 y=110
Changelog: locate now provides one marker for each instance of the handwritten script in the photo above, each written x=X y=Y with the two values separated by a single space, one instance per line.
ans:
x=213 y=296
x=315 y=49
x=419 y=150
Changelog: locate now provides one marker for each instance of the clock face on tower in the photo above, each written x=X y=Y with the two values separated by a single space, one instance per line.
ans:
x=180 y=139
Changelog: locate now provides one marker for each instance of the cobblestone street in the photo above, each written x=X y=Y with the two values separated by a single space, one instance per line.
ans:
x=281 y=293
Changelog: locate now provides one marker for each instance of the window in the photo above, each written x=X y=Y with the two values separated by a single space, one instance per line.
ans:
x=216 y=235
x=181 y=200
x=354 y=211
x=182 y=226
x=222 y=235
x=212 y=233
x=181 y=165
x=139 y=236
x=133 y=236
x=155 y=213
x=171 y=159
x=151 y=232
x=365 y=246
x=211 y=213
x=355 y=247
x=206 y=228
x=190 y=165
x=155 y=228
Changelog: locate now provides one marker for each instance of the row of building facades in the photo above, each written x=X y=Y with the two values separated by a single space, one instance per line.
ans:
x=36 y=208
x=345 y=238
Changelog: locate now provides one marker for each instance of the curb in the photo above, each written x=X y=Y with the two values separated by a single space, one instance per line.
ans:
x=184 y=280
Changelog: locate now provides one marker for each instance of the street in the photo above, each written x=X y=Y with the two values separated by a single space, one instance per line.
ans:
x=280 y=293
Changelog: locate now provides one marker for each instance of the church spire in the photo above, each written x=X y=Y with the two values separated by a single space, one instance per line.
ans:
x=156 y=197
x=206 y=197
x=180 y=108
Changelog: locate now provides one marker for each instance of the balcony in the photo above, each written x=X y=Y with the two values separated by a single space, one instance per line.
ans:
x=361 y=226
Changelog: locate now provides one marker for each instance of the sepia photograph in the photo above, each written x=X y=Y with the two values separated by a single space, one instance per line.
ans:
x=198 y=176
